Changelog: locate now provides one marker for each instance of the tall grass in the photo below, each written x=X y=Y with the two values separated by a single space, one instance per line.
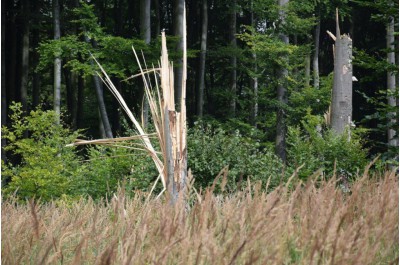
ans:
x=310 y=223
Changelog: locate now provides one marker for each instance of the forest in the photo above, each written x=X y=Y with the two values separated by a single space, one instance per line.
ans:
x=174 y=121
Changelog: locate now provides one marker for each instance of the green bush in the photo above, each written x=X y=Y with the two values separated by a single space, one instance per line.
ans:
x=110 y=167
x=321 y=149
x=47 y=166
x=211 y=149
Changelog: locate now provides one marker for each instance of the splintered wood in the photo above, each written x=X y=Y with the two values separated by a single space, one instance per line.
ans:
x=170 y=125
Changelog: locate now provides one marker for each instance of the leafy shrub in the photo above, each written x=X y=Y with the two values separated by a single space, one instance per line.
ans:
x=47 y=166
x=110 y=167
x=211 y=149
x=321 y=149
x=303 y=99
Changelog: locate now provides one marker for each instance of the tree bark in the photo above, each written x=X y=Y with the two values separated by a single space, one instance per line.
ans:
x=25 y=55
x=317 y=33
x=11 y=57
x=169 y=163
x=341 y=108
x=391 y=81
x=179 y=6
x=36 y=76
x=233 y=58
x=98 y=85
x=80 y=101
x=35 y=55
x=3 y=84
x=254 y=80
x=280 y=140
x=157 y=27
x=102 y=107
x=118 y=28
x=202 y=60
x=307 y=65
x=145 y=15
x=70 y=95
x=57 y=62
x=145 y=32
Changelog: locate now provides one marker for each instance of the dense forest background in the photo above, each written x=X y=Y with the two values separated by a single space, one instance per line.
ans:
x=259 y=84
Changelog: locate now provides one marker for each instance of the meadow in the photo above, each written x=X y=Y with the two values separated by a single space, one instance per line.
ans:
x=315 y=222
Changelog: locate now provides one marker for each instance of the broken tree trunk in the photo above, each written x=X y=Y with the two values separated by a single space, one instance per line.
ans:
x=170 y=125
x=341 y=105
x=391 y=81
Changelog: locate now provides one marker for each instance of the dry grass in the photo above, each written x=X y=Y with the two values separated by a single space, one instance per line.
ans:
x=314 y=223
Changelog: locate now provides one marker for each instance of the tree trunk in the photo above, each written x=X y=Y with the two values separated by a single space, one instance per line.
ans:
x=80 y=101
x=70 y=94
x=391 y=81
x=102 y=107
x=11 y=56
x=35 y=55
x=202 y=60
x=57 y=62
x=316 y=53
x=3 y=84
x=341 y=108
x=233 y=58
x=98 y=85
x=118 y=28
x=145 y=15
x=307 y=65
x=179 y=6
x=280 y=140
x=157 y=27
x=145 y=32
x=36 y=76
x=25 y=55
x=169 y=163
x=254 y=80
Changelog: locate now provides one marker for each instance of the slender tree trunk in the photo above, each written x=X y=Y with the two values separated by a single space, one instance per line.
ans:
x=102 y=131
x=145 y=32
x=70 y=94
x=57 y=62
x=317 y=33
x=307 y=74
x=98 y=85
x=11 y=55
x=254 y=80
x=80 y=101
x=35 y=55
x=179 y=6
x=202 y=60
x=115 y=113
x=102 y=107
x=391 y=81
x=157 y=27
x=341 y=108
x=145 y=15
x=80 y=87
x=25 y=55
x=233 y=58
x=36 y=76
x=280 y=140
x=3 y=83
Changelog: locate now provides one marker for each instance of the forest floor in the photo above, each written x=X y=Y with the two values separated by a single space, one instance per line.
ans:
x=304 y=223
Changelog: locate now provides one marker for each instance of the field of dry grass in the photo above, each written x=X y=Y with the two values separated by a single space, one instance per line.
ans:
x=308 y=223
